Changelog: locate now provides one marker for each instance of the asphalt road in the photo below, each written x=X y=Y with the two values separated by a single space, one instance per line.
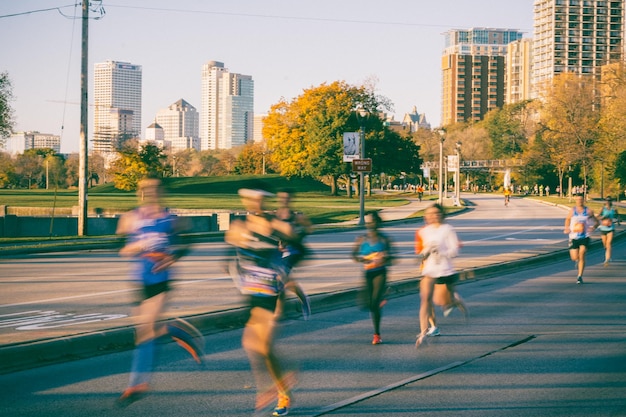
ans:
x=55 y=295
x=536 y=344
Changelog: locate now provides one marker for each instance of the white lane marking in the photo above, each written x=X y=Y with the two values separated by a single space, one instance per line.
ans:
x=98 y=294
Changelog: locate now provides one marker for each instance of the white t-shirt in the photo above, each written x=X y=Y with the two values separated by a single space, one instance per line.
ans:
x=440 y=244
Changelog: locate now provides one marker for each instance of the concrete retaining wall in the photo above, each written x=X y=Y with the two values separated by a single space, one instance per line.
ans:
x=33 y=226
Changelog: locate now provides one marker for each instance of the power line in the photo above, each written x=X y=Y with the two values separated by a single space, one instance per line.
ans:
x=95 y=6
x=267 y=16
x=38 y=11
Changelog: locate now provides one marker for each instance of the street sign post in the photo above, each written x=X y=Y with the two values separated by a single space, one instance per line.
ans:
x=362 y=165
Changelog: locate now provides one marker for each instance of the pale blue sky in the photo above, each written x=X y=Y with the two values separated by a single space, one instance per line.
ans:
x=285 y=45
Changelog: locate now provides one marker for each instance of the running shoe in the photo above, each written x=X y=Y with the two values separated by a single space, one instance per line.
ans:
x=447 y=310
x=377 y=340
x=188 y=337
x=132 y=394
x=579 y=280
x=282 y=408
x=433 y=331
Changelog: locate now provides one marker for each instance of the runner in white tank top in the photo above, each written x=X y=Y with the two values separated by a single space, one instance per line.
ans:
x=579 y=224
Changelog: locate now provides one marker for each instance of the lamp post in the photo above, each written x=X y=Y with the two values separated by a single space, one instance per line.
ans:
x=458 y=173
x=362 y=114
x=442 y=134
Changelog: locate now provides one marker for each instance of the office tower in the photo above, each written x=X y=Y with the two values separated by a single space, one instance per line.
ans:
x=180 y=123
x=227 y=110
x=117 y=104
x=576 y=36
x=473 y=66
x=518 y=71
x=258 y=127
x=18 y=142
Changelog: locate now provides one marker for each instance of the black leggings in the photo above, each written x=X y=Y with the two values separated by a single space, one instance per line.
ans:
x=376 y=285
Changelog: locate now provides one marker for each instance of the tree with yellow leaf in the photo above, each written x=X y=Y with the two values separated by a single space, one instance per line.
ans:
x=569 y=122
x=305 y=135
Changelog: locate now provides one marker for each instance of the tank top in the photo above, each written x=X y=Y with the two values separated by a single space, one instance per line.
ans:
x=611 y=216
x=579 y=224
x=155 y=235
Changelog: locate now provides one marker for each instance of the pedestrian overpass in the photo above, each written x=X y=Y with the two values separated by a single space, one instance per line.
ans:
x=487 y=164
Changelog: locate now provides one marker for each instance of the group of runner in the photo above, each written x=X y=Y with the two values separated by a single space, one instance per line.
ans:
x=580 y=222
x=267 y=246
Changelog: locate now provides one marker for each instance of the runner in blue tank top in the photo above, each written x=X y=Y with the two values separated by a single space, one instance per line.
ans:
x=151 y=233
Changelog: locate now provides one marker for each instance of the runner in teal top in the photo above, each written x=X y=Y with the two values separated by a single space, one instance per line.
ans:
x=608 y=218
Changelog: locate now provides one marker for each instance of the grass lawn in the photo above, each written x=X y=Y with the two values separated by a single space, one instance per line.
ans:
x=208 y=193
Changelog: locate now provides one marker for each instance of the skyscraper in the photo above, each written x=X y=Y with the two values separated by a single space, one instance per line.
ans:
x=227 y=111
x=576 y=36
x=117 y=104
x=473 y=67
x=180 y=122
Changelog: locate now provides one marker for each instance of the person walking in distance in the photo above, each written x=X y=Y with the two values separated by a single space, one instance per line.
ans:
x=439 y=244
x=151 y=239
x=608 y=218
x=294 y=250
x=260 y=275
x=579 y=224
x=373 y=250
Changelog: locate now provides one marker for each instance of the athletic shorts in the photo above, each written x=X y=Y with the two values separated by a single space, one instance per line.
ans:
x=266 y=303
x=450 y=279
x=577 y=243
x=149 y=291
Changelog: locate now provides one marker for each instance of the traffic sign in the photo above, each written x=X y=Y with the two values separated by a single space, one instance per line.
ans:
x=362 y=165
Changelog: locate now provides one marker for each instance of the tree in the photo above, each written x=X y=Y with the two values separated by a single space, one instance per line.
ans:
x=305 y=136
x=6 y=112
x=132 y=165
x=611 y=140
x=507 y=129
x=8 y=177
x=28 y=168
x=569 y=121
x=254 y=159
x=620 y=167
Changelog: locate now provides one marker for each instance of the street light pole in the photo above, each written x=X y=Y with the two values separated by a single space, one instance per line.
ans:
x=442 y=134
x=362 y=115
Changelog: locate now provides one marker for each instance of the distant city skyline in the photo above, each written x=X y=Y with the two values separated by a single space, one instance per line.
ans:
x=284 y=46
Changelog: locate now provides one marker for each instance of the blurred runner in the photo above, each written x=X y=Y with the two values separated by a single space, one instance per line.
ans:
x=294 y=250
x=374 y=250
x=260 y=274
x=439 y=244
x=151 y=232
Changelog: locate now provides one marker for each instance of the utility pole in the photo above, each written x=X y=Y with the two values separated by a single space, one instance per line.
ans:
x=82 y=164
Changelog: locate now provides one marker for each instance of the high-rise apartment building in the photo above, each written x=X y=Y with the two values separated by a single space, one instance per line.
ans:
x=576 y=36
x=180 y=123
x=117 y=104
x=473 y=68
x=518 y=71
x=227 y=110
